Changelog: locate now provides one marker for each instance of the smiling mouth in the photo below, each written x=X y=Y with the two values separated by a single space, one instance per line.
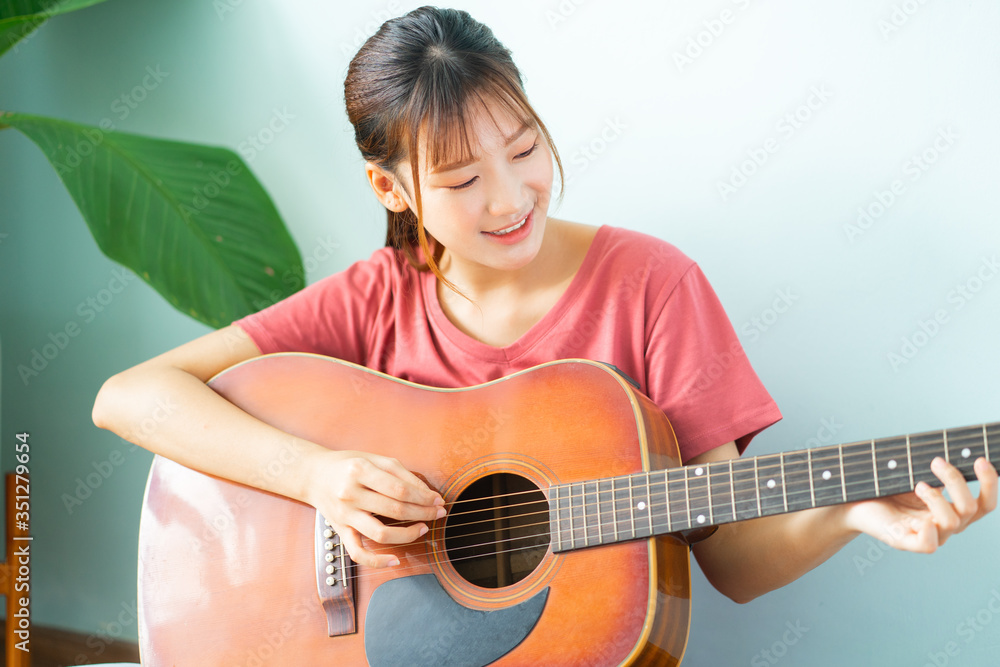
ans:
x=512 y=228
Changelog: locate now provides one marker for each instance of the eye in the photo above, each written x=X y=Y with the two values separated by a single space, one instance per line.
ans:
x=463 y=185
x=527 y=152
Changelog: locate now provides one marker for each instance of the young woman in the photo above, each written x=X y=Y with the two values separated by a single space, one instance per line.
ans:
x=477 y=282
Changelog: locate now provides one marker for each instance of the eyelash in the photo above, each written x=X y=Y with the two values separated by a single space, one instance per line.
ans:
x=525 y=154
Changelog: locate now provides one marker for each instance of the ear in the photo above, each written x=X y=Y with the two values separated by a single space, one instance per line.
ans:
x=387 y=187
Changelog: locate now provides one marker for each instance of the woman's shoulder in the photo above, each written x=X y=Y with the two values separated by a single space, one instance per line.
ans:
x=625 y=247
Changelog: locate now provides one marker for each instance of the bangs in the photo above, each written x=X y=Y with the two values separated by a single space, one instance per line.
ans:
x=444 y=115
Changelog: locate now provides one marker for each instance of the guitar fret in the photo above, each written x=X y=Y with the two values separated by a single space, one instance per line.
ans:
x=798 y=480
x=744 y=481
x=875 y=468
x=784 y=486
x=732 y=488
x=986 y=444
x=600 y=516
x=947 y=457
x=698 y=492
x=677 y=506
x=649 y=507
x=859 y=478
x=756 y=480
x=812 y=487
x=687 y=501
x=631 y=506
x=614 y=510
x=909 y=460
x=891 y=477
x=589 y=528
x=666 y=503
x=843 y=481
x=659 y=514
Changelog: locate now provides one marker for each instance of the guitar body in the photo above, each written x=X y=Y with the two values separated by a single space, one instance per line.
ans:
x=227 y=573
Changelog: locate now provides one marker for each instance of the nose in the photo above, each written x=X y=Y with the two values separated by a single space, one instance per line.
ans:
x=506 y=195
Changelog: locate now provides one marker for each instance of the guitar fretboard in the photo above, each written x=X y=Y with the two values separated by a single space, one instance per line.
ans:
x=616 y=509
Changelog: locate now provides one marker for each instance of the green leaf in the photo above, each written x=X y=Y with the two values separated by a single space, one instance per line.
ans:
x=19 y=18
x=191 y=220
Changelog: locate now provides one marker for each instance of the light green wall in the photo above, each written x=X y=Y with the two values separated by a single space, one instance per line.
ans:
x=646 y=139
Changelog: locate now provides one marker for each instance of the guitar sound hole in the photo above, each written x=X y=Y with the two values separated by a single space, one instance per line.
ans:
x=498 y=530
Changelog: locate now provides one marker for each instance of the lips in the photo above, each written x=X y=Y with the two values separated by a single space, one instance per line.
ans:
x=507 y=230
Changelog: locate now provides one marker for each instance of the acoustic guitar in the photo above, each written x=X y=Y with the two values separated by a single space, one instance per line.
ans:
x=564 y=543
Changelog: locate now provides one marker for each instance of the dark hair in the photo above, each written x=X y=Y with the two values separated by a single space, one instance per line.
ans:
x=420 y=71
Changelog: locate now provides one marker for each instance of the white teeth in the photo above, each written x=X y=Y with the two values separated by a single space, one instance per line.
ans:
x=510 y=229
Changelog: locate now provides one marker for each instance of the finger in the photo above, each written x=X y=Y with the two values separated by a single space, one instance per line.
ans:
x=374 y=529
x=409 y=501
x=351 y=539
x=942 y=512
x=424 y=495
x=377 y=503
x=964 y=504
x=987 y=476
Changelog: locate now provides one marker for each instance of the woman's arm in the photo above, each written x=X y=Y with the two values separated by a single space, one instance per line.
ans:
x=746 y=559
x=165 y=405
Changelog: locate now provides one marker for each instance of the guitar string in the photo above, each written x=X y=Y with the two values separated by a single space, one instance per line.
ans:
x=692 y=507
x=662 y=509
x=863 y=465
x=766 y=461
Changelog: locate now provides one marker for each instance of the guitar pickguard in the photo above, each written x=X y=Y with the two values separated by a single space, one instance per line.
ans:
x=413 y=621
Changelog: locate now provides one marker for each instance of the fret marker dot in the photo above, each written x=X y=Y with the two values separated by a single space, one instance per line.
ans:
x=771 y=483
x=966 y=453
x=892 y=464
x=641 y=505
x=701 y=518
x=827 y=474
x=697 y=471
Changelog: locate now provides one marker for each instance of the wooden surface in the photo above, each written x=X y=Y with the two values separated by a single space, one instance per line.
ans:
x=226 y=572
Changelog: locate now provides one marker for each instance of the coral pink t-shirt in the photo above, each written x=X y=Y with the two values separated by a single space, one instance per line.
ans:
x=637 y=302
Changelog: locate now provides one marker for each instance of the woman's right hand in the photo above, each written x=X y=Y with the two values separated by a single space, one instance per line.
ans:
x=351 y=489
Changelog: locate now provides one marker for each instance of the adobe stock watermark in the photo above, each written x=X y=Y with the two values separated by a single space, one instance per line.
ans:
x=377 y=17
x=105 y=468
x=958 y=298
x=712 y=29
x=110 y=633
x=24 y=32
x=913 y=170
x=560 y=13
x=57 y=341
x=900 y=15
x=773 y=654
x=220 y=179
x=786 y=128
x=967 y=630
x=784 y=299
x=122 y=107
x=589 y=152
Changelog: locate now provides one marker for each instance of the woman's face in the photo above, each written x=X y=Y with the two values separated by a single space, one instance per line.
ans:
x=488 y=212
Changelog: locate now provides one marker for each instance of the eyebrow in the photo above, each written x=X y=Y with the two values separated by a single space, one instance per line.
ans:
x=458 y=164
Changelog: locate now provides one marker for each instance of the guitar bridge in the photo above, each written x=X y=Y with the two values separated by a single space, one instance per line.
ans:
x=334 y=580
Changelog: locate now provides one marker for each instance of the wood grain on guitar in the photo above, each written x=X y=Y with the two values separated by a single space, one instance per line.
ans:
x=538 y=470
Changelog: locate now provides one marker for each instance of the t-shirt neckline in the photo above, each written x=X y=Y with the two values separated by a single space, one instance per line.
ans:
x=532 y=336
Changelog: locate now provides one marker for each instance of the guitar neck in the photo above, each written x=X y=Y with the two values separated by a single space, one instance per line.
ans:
x=616 y=509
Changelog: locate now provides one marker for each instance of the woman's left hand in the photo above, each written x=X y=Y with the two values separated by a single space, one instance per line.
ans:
x=924 y=519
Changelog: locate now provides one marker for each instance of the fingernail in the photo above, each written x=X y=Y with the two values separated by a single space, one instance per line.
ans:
x=441 y=512
x=937 y=462
x=438 y=501
x=394 y=562
x=423 y=531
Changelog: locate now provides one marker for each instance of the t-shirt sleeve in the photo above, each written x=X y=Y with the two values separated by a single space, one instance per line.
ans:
x=334 y=316
x=698 y=372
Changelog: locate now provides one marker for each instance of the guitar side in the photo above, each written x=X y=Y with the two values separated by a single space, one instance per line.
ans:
x=227 y=572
